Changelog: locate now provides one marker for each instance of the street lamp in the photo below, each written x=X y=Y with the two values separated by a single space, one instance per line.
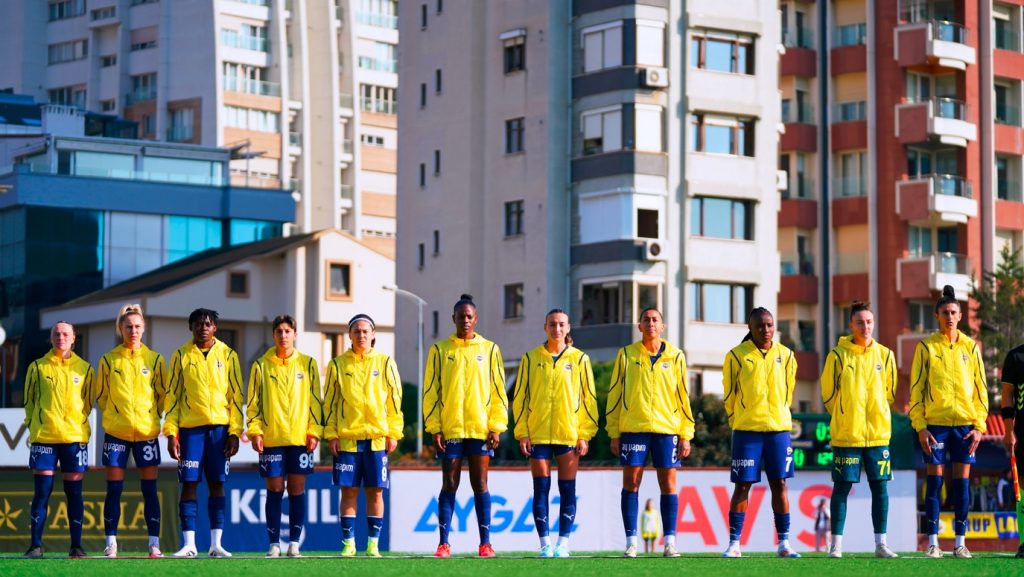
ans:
x=419 y=362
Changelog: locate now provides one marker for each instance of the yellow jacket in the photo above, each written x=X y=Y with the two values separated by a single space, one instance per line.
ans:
x=363 y=400
x=464 y=389
x=132 y=393
x=646 y=398
x=758 y=387
x=947 y=384
x=58 y=399
x=204 y=390
x=858 y=384
x=283 y=400
x=554 y=401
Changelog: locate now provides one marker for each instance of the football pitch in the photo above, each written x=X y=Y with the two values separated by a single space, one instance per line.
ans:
x=515 y=564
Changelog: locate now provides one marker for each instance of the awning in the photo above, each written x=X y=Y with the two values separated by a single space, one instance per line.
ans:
x=995 y=428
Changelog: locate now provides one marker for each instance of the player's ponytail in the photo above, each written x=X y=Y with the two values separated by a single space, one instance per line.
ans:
x=125 y=312
x=464 y=299
x=948 y=296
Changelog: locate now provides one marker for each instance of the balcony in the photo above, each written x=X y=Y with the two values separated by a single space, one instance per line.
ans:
x=942 y=119
x=799 y=58
x=345 y=100
x=233 y=39
x=800 y=133
x=179 y=133
x=140 y=95
x=798 y=212
x=378 y=106
x=849 y=186
x=799 y=186
x=934 y=43
x=248 y=86
x=378 y=64
x=346 y=195
x=295 y=139
x=377 y=19
x=944 y=196
x=920 y=275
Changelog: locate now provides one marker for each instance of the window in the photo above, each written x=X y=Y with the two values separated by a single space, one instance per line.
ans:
x=848 y=111
x=850 y=35
x=514 y=135
x=249 y=79
x=339 y=280
x=852 y=178
x=722 y=134
x=144 y=45
x=423 y=174
x=378 y=99
x=437 y=162
x=143 y=38
x=434 y=323
x=251 y=119
x=437 y=242
x=602 y=130
x=650 y=43
x=423 y=17
x=721 y=303
x=62 y=9
x=248 y=37
x=137 y=2
x=602 y=46
x=422 y=255
x=108 y=60
x=104 y=13
x=68 y=51
x=514 y=218
x=181 y=124
x=721 y=218
x=647 y=223
x=148 y=125
x=440 y=6
x=143 y=88
x=380 y=13
x=647 y=130
x=1006 y=38
x=514 y=301
x=922 y=317
x=423 y=95
x=238 y=284
x=372 y=140
x=437 y=81
x=617 y=301
x=722 y=52
x=108 y=105
x=68 y=96
x=515 y=54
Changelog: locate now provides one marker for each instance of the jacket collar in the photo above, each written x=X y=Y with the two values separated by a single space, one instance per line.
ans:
x=56 y=359
x=455 y=340
x=369 y=354
x=124 y=351
x=271 y=357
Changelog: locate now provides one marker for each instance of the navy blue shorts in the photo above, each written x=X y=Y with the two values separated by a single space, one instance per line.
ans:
x=115 y=452
x=362 y=468
x=459 y=448
x=634 y=447
x=751 y=450
x=73 y=457
x=548 y=452
x=202 y=453
x=950 y=440
x=293 y=460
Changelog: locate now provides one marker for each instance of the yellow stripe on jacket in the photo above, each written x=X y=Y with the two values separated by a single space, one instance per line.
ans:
x=857 y=385
x=758 y=387
x=363 y=400
x=58 y=399
x=554 y=401
x=947 y=384
x=204 y=389
x=132 y=393
x=464 y=389
x=283 y=399
x=646 y=397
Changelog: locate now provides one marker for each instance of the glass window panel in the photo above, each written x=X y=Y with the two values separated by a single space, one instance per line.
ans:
x=739 y=223
x=717 y=217
x=613 y=47
x=719 y=55
x=612 y=129
x=718 y=139
x=717 y=301
x=592 y=55
x=104 y=164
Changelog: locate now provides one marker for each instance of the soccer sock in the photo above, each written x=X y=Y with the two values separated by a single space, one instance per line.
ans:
x=272 y=510
x=541 y=491
x=41 y=501
x=445 y=508
x=563 y=541
x=669 y=512
x=296 y=516
x=188 y=510
x=76 y=510
x=373 y=527
x=151 y=507
x=216 y=506
x=782 y=528
x=961 y=503
x=933 y=488
x=879 y=539
x=670 y=540
x=630 y=503
x=1020 y=522
x=959 y=540
x=879 y=506
x=566 y=507
x=482 y=504
x=112 y=508
x=736 y=520
x=215 y=535
x=348 y=527
x=837 y=542
x=933 y=540
x=840 y=494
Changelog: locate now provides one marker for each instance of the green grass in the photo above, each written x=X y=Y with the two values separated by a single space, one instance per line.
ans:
x=859 y=565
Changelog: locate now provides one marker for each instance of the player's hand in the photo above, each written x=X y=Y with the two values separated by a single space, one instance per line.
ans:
x=439 y=441
x=615 y=447
x=927 y=440
x=493 y=439
x=173 y=448
x=333 y=444
x=684 y=448
x=390 y=445
x=582 y=446
x=257 y=443
x=312 y=443
x=231 y=446
x=525 y=446
x=1009 y=440
x=975 y=437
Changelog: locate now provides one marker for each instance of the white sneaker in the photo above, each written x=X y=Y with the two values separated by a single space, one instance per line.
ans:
x=962 y=552
x=110 y=550
x=154 y=552
x=836 y=551
x=671 y=551
x=274 y=551
x=217 y=551
x=882 y=551
x=186 y=551
x=788 y=553
x=630 y=551
x=732 y=551
x=293 y=550
x=934 y=552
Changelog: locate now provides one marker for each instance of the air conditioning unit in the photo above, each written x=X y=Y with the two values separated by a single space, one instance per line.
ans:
x=655 y=77
x=290 y=229
x=655 y=250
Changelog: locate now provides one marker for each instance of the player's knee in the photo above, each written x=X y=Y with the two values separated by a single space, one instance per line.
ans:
x=216 y=488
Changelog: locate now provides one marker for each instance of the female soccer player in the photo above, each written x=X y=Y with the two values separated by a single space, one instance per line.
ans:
x=466 y=411
x=363 y=404
x=649 y=413
x=948 y=408
x=858 y=384
x=58 y=399
x=1011 y=405
x=758 y=377
x=556 y=416
x=284 y=421
x=650 y=526
x=205 y=411
x=132 y=391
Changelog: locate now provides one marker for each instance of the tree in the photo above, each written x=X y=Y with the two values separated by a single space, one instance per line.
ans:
x=1000 y=310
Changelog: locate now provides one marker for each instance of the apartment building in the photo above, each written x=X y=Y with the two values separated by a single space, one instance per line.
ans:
x=303 y=92
x=600 y=156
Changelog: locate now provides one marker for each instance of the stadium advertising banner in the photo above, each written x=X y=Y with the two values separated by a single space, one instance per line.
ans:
x=981 y=525
x=14 y=439
x=702 y=524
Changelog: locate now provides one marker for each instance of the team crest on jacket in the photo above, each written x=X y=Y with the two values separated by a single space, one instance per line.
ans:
x=76 y=379
x=878 y=367
x=479 y=358
x=568 y=367
x=220 y=364
x=665 y=365
x=375 y=373
x=299 y=376
x=144 y=371
x=778 y=360
x=964 y=356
